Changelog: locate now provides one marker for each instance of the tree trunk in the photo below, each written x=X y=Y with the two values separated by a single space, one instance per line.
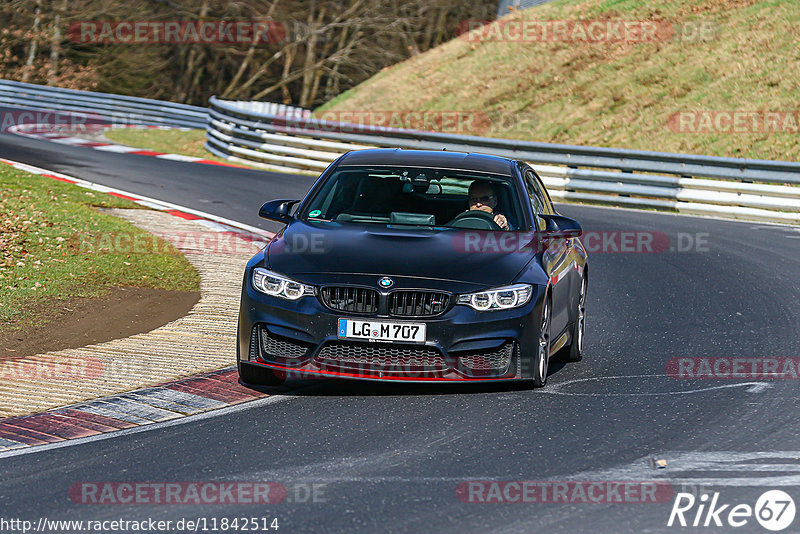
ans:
x=332 y=84
x=325 y=53
x=286 y=96
x=248 y=58
x=55 y=44
x=37 y=21
x=191 y=61
x=311 y=55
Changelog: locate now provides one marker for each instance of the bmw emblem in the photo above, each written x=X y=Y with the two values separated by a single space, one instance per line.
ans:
x=386 y=282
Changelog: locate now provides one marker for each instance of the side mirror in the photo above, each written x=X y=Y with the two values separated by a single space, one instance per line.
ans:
x=278 y=210
x=560 y=226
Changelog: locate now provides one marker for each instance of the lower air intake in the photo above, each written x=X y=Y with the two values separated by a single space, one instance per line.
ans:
x=493 y=361
x=278 y=348
x=381 y=357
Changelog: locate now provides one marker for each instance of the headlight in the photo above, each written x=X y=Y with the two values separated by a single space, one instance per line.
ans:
x=502 y=298
x=278 y=285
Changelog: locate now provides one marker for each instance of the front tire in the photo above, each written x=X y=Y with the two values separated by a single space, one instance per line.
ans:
x=574 y=352
x=542 y=360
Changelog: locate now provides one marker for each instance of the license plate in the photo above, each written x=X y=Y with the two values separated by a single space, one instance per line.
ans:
x=381 y=331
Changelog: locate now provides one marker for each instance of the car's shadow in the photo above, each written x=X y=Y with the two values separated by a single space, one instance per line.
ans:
x=339 y=387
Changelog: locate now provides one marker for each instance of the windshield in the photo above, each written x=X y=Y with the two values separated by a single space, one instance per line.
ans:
x=417 y=196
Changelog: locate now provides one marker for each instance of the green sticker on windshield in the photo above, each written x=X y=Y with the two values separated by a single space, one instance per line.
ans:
x=315 y=213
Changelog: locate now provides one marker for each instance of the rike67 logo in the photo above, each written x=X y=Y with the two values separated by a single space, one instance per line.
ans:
x=774 y=510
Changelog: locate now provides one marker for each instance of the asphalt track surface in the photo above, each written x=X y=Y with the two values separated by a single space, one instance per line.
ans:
x=390 y=457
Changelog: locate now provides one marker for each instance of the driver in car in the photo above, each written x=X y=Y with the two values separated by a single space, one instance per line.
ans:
x=482 y=197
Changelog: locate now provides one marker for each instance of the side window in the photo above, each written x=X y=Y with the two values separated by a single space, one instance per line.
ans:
x=536 y=197
x=548 y=204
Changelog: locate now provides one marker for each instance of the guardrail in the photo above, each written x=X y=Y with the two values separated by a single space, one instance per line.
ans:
x=704 y=185
x=115 y=109
x=286 y=138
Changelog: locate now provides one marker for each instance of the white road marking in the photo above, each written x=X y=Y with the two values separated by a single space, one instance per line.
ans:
x=101 y=409
x=131 y=408
x=122 y=149
x=689 y=468
x=160 y=403
x=8 y=444
x=179 y=157
x=179 y=397
x=555 y=389
x=69 y=141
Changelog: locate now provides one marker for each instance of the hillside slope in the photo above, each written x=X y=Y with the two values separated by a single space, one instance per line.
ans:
x=676 y=92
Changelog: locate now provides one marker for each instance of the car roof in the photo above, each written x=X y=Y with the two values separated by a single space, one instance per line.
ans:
x=430 y=158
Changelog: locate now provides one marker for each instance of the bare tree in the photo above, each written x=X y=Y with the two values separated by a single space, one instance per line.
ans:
x=328 y=46
x=37 y=22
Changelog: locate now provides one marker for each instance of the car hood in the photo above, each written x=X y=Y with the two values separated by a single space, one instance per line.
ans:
x=317 y=252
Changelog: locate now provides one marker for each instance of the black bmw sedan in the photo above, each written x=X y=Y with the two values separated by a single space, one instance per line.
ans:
x=404 y=265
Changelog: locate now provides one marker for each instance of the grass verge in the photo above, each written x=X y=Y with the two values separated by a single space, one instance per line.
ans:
x=186 y=143
x=42 y=225
x=723 y=56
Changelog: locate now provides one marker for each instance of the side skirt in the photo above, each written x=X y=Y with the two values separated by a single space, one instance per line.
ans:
x=559 y=343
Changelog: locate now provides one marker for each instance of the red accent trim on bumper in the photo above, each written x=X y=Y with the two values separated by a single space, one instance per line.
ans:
x=335 y=374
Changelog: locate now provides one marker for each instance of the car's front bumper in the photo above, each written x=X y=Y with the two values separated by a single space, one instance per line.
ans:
x=299 y=338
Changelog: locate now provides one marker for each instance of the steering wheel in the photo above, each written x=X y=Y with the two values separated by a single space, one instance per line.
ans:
x=475 y=220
